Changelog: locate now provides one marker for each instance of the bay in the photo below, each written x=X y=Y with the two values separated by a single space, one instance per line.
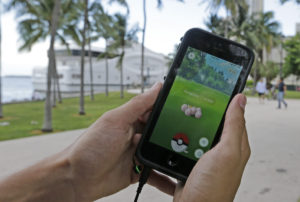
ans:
x=16 y=88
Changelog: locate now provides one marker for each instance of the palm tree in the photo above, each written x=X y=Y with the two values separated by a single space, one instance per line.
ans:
x=143 y=46
x=216 y=24
x=99 y=27
x=104 y=27
x=35 y=26
x=123 y=37
x=73 y=31
x=91 y=63
x=38 y=20
x=258 y=31
x=85 y=24
x=159 y=5
x=231 y=7
x=47 y=126
x=267 y=36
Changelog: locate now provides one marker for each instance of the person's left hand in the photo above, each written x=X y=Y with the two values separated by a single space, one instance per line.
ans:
x=102 y=158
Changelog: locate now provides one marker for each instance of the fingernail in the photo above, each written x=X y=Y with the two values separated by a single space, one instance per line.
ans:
x=243 y=101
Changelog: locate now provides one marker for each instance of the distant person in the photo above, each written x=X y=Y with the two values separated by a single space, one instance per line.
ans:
x=261 y=90
x=281 y=91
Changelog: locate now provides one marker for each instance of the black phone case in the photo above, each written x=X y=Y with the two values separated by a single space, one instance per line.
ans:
x=168 y=81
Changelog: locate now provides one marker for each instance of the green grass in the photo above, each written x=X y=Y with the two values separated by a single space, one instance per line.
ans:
x=292 y=94
x=26 y=119
x=289 y=94
x=212 y=103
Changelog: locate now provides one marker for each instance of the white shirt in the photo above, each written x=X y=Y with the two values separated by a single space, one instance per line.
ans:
x=261 y=87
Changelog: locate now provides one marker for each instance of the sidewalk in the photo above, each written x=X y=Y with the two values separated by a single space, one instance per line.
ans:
x=272 y=174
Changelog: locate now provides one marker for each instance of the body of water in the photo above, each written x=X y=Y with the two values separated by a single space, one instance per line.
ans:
x=16 y=88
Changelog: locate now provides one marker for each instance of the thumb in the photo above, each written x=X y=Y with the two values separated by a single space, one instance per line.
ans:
x=234 y=125
x=140 y=104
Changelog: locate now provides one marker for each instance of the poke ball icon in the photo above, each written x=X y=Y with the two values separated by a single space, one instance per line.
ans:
x=180 y=142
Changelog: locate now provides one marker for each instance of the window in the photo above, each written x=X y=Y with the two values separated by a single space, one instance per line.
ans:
x=75 y=76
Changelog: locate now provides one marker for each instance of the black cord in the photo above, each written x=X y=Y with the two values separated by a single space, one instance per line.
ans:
x=142 y=181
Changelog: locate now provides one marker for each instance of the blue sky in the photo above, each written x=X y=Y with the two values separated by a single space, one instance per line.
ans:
x=164 y=28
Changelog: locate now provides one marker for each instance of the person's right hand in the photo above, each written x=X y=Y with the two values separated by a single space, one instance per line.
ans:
x=217 y=175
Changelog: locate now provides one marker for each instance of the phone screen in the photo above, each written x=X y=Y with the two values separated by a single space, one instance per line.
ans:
x=196 y=103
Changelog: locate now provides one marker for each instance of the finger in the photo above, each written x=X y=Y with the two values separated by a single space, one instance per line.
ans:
x=234 y=125
x=245 y=147
x=141 y=123
x=140 y=104
x=162 y=183
x=144 y=118
x=139 y=127
x=136 y=139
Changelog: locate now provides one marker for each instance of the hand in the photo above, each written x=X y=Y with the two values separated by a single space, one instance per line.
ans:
x=102 y=158
x=217 y=174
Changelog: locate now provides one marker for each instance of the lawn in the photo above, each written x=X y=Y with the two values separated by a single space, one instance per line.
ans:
x=212 y=103
x=292 y=94
x=289 y=94
x=26 y=119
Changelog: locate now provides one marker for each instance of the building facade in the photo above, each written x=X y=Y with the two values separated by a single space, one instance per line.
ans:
x=68 y=67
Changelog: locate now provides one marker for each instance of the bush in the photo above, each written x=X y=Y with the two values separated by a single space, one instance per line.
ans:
x=249 y=83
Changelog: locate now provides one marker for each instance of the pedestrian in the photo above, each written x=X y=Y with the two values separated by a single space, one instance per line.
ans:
x=261 y=90
x=281 y=91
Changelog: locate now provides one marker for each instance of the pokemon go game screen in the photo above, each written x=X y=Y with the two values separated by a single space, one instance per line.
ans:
x=195 y=105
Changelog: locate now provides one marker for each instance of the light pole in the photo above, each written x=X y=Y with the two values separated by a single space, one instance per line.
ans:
x=1 y=113
x=143 y=47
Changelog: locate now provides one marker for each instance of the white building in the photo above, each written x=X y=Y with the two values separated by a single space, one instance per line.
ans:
x=255 y=6
x=68 y=67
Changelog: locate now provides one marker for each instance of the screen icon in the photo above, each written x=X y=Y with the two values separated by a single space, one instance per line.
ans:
x=198 y=153
x=180 y=142
x=203 y=142
x=191 y=56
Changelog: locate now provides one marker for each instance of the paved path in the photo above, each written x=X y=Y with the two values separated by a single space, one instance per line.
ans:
x=272 y=174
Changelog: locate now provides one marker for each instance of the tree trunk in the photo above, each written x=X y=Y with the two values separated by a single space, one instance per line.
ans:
x=47 y=125
x=57 y=82
x=256 y=68
x=254 y=78
x=81 y=104
x=121 y=75
x=226 y=24
x=1 y=112
x=143 y=44
x=106 y=71
x=91 y=69
x=54 y=86
x=281 y=59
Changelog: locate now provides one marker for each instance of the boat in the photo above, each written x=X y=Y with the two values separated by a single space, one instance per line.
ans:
x=68 y=69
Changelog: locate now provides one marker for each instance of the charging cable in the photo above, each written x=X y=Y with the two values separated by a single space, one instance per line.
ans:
x=142 y=181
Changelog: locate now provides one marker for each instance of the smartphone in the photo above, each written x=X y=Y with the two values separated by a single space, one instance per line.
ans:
x=188 y=115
